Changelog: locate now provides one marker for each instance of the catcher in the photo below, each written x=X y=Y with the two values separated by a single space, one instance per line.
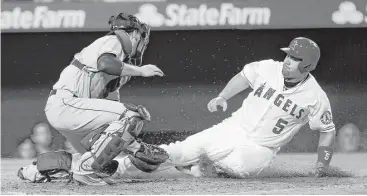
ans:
x=99 y=129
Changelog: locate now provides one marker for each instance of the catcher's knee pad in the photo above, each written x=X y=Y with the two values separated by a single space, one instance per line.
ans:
x=111 y=142
x=133 y=125
x=134 y=117
x=133 y=110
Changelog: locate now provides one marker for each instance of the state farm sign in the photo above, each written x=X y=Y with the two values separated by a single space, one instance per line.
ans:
x=42 y=17
x=202 y=15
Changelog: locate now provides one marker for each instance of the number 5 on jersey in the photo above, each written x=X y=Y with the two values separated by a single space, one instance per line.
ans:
x=279 y=127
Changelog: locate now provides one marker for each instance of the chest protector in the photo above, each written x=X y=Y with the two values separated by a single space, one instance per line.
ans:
x=100 y=86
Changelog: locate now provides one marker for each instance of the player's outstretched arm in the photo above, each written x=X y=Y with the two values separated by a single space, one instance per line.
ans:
x=110 y=64
x=237 y=84
x=146 y=70
x=325 y=152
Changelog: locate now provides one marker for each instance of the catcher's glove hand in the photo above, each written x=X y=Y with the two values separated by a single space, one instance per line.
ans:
x=148 y=157
x=143 y=166
x=151 y=154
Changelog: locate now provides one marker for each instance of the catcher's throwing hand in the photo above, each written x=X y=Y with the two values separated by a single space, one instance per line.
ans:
x=218 y=101
x=151 y=70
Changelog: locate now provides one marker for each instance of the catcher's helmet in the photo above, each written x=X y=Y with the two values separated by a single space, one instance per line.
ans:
x=305 y=49
x=124 y=21
x=129 y=23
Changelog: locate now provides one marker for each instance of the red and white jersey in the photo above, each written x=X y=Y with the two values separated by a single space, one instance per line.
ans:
x=272 y=115
x=89 y=83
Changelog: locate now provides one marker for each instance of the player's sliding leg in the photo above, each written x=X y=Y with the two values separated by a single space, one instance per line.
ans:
x=245 y=160
x=224 y=147
x=215 y=143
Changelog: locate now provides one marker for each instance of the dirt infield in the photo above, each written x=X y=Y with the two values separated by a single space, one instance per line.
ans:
x=289 y=174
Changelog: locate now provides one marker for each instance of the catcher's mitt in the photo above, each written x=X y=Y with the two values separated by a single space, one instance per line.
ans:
x=143 y=166
x=148 y=157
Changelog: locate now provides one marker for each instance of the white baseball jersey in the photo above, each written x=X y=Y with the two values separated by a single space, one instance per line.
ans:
x=271 y=115
x=90 y=83
x=76 y=117
x=268 y=119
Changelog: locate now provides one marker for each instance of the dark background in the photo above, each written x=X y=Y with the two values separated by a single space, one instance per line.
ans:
x=197 y=57
x=197 y=65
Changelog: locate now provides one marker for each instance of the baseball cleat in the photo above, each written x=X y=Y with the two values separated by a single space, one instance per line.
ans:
x=91 y=179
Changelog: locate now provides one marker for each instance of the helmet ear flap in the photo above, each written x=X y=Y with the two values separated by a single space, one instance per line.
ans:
x=307 y=50
x=303 y=67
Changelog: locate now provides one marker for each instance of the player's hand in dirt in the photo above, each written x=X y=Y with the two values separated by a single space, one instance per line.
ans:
x=151 y=70
x=321 y=170
x=218 y=101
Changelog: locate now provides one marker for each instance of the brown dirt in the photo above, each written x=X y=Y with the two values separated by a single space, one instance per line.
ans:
x=289 y=174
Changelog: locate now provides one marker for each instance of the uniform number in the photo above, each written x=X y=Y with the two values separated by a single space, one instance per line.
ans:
x=279 y=127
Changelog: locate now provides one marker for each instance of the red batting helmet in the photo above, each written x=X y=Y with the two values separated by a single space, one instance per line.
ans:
x=305 y=49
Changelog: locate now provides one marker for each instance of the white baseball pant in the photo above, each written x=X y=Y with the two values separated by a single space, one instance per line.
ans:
x=225 y=144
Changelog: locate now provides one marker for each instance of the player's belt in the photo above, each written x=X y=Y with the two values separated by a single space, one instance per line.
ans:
x=54 y=91
x=77 y=63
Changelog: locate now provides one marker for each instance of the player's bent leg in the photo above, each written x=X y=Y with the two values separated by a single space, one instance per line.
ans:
x=246 y=160
x=75 y=117
x=119 y=136
x=104 y=146
x=74 y=113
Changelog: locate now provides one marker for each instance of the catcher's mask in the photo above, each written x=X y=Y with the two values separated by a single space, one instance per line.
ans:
x=137 y=59
x=121 y=25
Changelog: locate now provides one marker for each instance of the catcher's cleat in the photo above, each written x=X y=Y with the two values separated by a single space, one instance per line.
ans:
x=92 y=179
